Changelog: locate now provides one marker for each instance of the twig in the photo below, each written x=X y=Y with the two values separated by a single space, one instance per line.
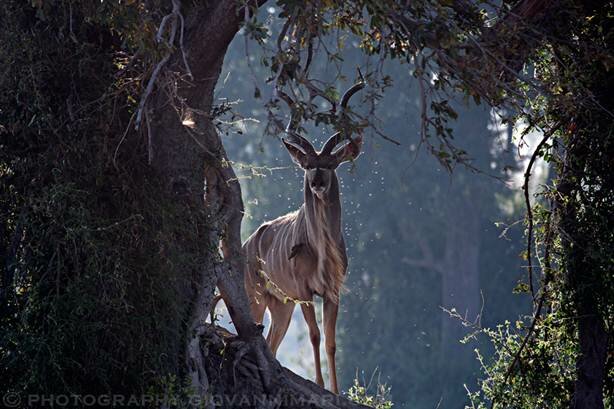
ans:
x=384 y=136
x=527 y=201
x=284 y=31
x=115 y=224
x=246 y=20
x=10 y=261
x=315 y=91
x=309 y=57
x=162 y=27
x=175 y=15
x=120 y=142
x=149 y=89
x=423 y=114
x=177 y=11
x=149 y=139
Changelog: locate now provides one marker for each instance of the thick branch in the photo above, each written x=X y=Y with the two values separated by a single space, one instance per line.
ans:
x=287 y=389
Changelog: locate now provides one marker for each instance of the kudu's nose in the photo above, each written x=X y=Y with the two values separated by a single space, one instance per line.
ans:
x=318 y=187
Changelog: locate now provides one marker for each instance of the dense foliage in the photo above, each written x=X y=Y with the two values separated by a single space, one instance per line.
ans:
x=91 y=296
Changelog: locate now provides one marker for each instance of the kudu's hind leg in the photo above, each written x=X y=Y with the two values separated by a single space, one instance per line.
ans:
x=309 y=312
x=331 y=309
x=281 y=313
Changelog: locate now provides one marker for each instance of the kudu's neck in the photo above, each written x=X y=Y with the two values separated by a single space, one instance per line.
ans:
x=322 y=220
x=324 y=213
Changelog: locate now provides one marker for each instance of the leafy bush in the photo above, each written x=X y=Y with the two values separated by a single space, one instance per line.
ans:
x=359 y=394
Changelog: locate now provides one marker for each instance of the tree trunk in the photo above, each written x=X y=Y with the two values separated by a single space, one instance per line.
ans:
x=592 y=335
x=185 y=157
x=590 y=366
x=460 y=288
x=460 y=284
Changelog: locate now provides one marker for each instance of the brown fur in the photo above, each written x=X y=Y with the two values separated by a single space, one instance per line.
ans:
x=320 y=264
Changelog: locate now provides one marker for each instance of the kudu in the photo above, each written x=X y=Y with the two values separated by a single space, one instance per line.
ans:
x=301 y=254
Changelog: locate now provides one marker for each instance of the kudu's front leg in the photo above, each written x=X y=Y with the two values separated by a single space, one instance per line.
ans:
x=309 y=312
x=331 y=309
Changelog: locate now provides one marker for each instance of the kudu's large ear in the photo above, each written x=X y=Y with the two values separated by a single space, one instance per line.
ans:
x=297 y=155
x=348 y=152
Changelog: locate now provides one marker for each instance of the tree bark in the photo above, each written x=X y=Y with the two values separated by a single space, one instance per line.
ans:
x=592 y=335
x=460 y=283
x=460 y=287
x=185 y=157
x=590 y=366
